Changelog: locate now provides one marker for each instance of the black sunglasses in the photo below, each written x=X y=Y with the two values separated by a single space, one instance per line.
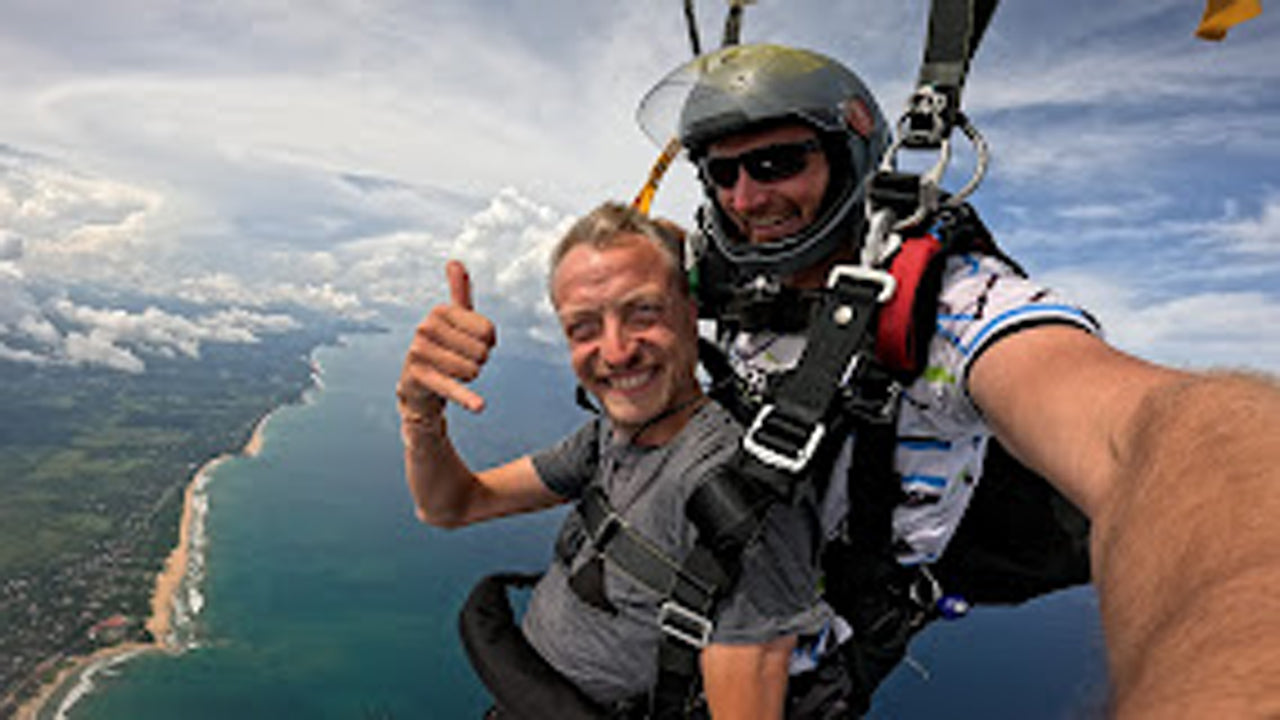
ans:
x=765 y=165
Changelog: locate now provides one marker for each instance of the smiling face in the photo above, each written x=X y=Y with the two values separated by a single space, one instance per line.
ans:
x=632 y=333
x=767 y=211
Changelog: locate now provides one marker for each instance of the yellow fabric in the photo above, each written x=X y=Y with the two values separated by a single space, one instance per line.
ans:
x=1220 y=15
x=644 y=199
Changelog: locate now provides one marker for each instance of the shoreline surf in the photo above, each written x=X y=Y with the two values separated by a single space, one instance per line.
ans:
x=182 y=571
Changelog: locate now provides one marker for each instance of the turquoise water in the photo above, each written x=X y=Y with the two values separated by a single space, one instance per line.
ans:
x=326 y=598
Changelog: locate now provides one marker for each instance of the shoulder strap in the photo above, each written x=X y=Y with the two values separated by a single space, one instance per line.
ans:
x=837 y=375
x=839 y=380
x=728 y=511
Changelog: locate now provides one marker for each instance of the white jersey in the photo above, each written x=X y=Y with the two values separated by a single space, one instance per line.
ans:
x=942 y=437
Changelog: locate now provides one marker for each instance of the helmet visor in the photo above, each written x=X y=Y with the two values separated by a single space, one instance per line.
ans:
x=734 y=88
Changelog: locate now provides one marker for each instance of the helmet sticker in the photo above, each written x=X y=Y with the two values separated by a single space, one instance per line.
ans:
x=858 y=116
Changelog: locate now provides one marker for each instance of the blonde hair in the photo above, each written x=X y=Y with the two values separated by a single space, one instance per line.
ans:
x=612 y=224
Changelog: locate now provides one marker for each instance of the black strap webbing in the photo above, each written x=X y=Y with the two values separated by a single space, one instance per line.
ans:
x=842 y=327
x=777 y=453
x=728 y=511
x=641 y=559
x=955 y=29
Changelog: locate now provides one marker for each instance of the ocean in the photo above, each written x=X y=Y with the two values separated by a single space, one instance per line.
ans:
x=324 y=597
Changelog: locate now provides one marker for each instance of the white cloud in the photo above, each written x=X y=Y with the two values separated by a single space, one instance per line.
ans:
x=252 y=153
x=39 y=329
x=1258 y=235
x=99 y=348
x=505 y=247
x=117 y=338
x=10 y=245
x=1204 y=329
x=16 y=302
x=159 y=332
x=21 y=356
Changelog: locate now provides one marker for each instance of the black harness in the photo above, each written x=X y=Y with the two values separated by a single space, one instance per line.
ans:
x=1019 y=539
x=867 y=334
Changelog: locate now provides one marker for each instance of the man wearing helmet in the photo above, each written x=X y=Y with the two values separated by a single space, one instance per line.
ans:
x=785 y=142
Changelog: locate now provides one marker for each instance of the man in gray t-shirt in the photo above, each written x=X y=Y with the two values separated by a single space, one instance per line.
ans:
x=631 y=326
x=649 y=487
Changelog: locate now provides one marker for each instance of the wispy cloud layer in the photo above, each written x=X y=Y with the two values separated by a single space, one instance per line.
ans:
x=256 y=155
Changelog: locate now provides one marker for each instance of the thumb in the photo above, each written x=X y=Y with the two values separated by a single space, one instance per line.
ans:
x=459 y=284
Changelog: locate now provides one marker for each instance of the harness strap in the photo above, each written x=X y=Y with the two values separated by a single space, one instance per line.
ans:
x=837 y=380
x=787 y=433
x=728 y=509
x=955 y=30
x=897 y=335
x=728 y=514
x=776 y=454
x=640 y=558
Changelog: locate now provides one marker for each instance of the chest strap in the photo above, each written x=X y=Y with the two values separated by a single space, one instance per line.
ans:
x=803 y=421
x=839 y=382
x=689 y=584
x=728 y=511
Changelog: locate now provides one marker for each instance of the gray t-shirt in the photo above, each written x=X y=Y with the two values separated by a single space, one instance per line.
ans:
x=612 y=656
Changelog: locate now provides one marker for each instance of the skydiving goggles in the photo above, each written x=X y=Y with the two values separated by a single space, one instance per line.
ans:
x=768 y=164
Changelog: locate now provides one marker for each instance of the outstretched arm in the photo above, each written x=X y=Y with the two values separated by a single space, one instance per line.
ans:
x=448 y=349
x=1180 y=474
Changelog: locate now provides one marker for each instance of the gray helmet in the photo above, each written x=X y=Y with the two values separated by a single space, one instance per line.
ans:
x=747 y=87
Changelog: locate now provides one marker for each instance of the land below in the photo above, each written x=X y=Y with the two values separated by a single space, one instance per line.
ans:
x=94 y=464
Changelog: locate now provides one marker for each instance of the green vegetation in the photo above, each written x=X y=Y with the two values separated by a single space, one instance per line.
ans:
x=93 y=465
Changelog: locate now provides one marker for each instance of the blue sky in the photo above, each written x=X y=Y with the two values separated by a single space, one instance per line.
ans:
x=247 y=153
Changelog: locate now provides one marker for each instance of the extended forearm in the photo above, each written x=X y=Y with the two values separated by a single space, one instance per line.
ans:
x=441 y=483
x=1187 y=554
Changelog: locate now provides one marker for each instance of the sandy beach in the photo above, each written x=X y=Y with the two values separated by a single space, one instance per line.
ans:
x=167 y=585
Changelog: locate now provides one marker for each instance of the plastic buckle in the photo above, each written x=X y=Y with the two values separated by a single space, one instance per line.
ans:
x=684 y=624
x=888 y=283
x=878 y=408
x=779 y=458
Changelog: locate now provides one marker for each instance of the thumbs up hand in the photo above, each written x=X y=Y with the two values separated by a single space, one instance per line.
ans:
x=448 y=349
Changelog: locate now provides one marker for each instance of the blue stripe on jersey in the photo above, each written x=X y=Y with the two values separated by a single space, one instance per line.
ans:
x=930 y=480
x=950 y=337
x=925 y=444
x=1004 y=318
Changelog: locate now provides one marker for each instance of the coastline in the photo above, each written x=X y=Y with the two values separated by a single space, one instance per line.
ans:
x=74 y=680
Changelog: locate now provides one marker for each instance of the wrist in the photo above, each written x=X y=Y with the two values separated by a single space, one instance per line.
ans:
x=417 y=406
x=420 y=432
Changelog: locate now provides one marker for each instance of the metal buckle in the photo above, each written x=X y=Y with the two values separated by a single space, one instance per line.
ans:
x=684 y=624
x=775 y=458
x=925 y=122
x=924 y=589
